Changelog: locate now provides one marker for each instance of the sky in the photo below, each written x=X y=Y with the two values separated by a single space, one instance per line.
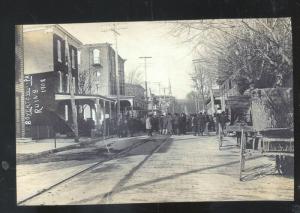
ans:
x=171 y=58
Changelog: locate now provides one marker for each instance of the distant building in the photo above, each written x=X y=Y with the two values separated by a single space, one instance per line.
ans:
x=19 y=84
x=97 y=61
x=137 y=92
x=166 y=104
x=217 y=102
x=227 y=89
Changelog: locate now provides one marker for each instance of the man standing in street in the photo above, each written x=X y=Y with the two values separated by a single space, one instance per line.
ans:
x=206 y=122
x=182 y=124
x=169 y=124
x=176 y=124
x=195 y=124
x=149 y=125
x=201 y=123
x=131 y=126
x=161 y=124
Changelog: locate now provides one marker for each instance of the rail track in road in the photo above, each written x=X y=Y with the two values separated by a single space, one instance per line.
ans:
x=120 y=154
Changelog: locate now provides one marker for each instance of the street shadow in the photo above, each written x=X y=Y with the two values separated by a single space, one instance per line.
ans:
x=166 y=146
x=186 y=139
x=176 y=176
x=228 y=147
x=72 y=155
x=94 y=153
x=258 y=172
x=106 y=168
x=149 y=182
x=149 y=146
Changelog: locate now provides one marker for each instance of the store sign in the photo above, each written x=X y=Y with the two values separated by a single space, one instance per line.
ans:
x=36 y=96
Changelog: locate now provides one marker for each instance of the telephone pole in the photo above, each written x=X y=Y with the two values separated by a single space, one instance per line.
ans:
x=116 y=34
x=72 y=90
x=145 y=67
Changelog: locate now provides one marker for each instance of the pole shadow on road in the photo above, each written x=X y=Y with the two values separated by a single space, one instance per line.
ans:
x=179 y=175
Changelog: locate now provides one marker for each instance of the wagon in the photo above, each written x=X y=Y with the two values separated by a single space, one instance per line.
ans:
x=271 y=131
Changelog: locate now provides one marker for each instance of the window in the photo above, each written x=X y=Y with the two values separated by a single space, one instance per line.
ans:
x=66 y=113
x=68 y=84
x=78 y=57
x=74 y=84
x=60 y=82
x=96 y=56
x=73 y=58
x=59 y=50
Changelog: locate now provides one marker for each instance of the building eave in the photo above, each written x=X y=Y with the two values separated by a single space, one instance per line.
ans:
x=59 y=97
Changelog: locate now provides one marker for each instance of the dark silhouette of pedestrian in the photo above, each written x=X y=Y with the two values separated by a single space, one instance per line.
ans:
x=149 y=125
x=195 y=124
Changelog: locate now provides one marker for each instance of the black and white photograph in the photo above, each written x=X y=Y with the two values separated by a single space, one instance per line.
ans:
x=154 y=112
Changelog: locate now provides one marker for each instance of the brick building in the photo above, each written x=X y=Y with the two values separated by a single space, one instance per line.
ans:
x=19 y=84
x=47 y=87
x=97 y=62
x=97 y=74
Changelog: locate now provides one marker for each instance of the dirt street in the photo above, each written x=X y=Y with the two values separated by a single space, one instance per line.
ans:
x=181 y=169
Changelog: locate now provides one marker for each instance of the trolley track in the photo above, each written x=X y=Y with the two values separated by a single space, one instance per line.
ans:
x=110 y=158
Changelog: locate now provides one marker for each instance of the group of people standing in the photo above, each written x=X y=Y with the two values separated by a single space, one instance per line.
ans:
x=166 y=124
x=178 y=124
x=204 y=123
x=129 y=126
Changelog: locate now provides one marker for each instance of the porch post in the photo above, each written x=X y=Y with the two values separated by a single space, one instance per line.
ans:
x=132 y=108
x=104 y=120
x=97 y=111
x=91 y=110
x=109 y=118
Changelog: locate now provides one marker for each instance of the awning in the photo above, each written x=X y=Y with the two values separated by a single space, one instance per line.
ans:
x=59 y=97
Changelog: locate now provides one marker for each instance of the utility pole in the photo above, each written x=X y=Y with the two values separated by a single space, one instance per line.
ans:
x=116 y=34
x=171 y=97
x=145 y=67
x=72 y=90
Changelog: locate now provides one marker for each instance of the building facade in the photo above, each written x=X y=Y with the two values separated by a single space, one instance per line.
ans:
x=46 y=77
x=47 y=83
x=97 y=72
x=137 y=92
x=19 y=84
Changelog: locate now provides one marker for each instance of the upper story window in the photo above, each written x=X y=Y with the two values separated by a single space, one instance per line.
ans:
x=96 y=56
x=59 y=50
x=73 y=58
x=74 y=84
x=67 y=84
x=78 y=57
x=60 y=86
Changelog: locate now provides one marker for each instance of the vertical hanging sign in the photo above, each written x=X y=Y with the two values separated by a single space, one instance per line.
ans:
x=36 y=99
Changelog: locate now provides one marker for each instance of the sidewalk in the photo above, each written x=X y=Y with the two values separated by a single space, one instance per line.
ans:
x=59 y=166
x=36 y=146
x=27 y=149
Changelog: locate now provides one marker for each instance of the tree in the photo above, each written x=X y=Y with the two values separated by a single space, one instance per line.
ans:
x=249 y=51
x=134 y=76
x=84 y=86
x=200 y=83
x=192 y=101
